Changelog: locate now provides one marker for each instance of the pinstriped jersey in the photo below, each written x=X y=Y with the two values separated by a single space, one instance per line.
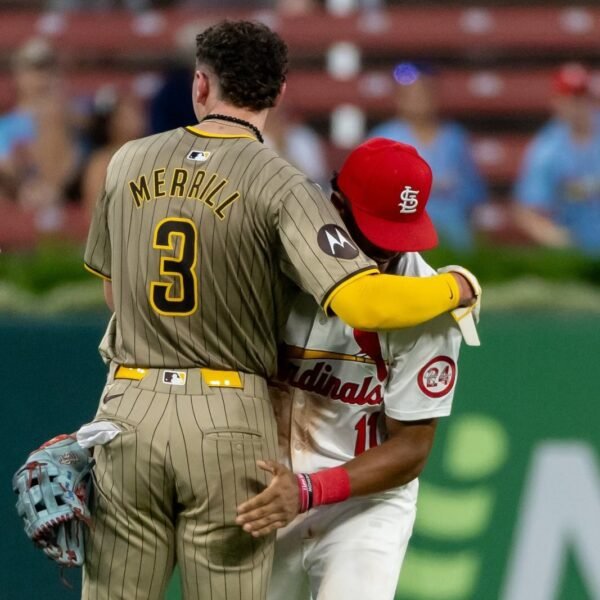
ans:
x=205 y=239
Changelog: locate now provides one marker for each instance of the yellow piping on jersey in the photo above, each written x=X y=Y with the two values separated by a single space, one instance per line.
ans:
x=306 y=353
x=96 y=273
x=202 y=133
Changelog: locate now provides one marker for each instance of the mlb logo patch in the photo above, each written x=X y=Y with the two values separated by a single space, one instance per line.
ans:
x=173 y=377
x=199 y=155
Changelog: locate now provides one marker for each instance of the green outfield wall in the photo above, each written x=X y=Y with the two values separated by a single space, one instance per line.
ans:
x=509 y=506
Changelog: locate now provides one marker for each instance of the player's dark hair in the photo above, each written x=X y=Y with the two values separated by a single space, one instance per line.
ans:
x=249 y=60
x=334 y=182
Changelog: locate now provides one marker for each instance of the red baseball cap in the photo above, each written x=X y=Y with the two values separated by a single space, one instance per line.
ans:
x=387 y=185
x=571 y=79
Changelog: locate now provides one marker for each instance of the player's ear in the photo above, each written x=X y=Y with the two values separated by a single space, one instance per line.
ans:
x=338 y=202
x=201 y=87
x=281 y=94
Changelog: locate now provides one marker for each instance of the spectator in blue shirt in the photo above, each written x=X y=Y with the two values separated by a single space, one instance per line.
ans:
x=38 y=155
x=560 y=175
x=457 y=184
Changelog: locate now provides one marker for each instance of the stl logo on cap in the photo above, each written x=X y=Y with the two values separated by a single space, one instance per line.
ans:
x=408 y=200
x=387 y=184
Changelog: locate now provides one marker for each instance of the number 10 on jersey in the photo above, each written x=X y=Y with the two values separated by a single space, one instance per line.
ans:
x=366 y=433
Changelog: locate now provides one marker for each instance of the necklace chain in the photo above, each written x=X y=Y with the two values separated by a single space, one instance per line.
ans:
x=236 y=121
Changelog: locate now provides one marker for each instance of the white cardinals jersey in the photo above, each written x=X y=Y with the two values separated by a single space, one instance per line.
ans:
x=343 y=380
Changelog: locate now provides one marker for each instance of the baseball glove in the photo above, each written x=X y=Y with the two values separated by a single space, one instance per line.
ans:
x=53 y=488
x=467 y=317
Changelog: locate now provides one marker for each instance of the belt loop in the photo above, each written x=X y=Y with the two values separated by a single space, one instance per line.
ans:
x=130 y=373
x=230 y=379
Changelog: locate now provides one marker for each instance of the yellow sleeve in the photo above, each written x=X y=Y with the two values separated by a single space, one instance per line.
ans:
x=380 y=302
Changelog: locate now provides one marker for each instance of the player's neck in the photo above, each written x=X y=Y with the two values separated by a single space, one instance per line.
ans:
x=257 y=119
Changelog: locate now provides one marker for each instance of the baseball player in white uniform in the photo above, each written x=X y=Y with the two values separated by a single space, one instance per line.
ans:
x=364 y=406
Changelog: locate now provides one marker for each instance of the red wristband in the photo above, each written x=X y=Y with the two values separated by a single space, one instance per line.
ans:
x=304 y=492
x=330 y=485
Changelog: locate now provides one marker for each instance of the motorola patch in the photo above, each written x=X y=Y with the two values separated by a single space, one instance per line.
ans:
x=336 y=242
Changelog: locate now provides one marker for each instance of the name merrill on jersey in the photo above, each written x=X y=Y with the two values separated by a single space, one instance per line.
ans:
x=189 y=184
x=319 y=379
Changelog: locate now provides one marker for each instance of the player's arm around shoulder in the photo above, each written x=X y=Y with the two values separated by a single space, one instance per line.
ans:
x=319 y=255
x=410 y=294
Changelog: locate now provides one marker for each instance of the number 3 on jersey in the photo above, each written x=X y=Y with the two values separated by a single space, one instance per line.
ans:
x=179 y=296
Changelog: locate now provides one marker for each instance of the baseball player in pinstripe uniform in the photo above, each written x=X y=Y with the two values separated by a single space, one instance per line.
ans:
x=202 y=235
x=358 y=411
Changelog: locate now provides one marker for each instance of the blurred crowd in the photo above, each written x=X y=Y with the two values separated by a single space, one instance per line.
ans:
x=54 y=149
x=555 y=200
x=139 y=6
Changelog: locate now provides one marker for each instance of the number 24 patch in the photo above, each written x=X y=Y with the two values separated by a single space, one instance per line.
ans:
x=437 y=377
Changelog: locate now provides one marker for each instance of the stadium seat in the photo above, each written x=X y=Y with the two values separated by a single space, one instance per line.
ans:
x=499 y=156
x=398 y=30
x=85 y=84
x=506 y=93
x=21 y=229
x=462 y=93
x=126 y=50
